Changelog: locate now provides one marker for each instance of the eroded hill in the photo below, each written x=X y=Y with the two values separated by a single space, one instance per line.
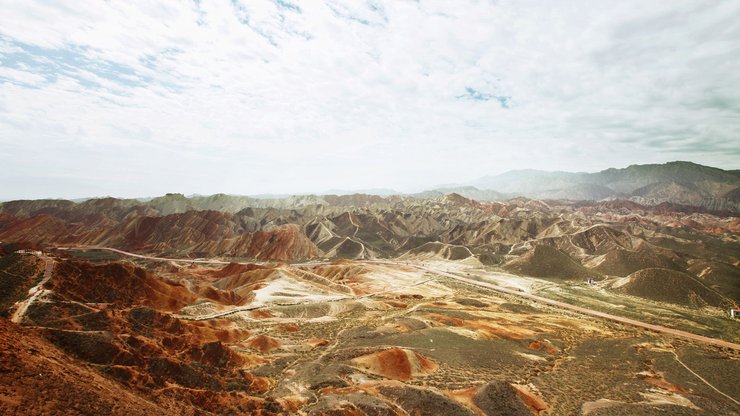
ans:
x=557 y=240
x=347 y=307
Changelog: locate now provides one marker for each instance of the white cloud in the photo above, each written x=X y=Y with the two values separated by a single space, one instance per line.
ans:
x=136 y=98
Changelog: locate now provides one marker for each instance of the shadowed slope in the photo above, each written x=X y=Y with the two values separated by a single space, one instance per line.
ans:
x=36 y=378
x=671 y=286
x=546 y=261
x=117 y=283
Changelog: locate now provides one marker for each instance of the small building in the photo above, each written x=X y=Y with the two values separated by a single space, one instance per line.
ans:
x=734 y=313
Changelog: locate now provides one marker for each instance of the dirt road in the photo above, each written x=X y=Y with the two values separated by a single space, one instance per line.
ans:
x=35 y=291
x=197 y=261
x=141 y=256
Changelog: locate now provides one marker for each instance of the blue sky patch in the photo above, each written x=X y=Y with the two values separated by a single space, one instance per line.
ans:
x=71 y=61
x=284 y=4
x=473 y=94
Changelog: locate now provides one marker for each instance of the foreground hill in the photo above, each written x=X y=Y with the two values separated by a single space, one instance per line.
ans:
x=338 y=338
x=36 y=377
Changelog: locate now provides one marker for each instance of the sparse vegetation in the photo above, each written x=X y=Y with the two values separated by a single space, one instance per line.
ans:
x=18 y=273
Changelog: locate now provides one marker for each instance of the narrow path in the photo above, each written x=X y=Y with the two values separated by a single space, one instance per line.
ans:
x=35 y=291
x=702 y=378
x=218 y=314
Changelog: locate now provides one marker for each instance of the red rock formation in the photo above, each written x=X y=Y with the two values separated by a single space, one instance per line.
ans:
x=396 y=364
x=263 y=343
x=37 y=378
x=118 y=283
x=283 y=243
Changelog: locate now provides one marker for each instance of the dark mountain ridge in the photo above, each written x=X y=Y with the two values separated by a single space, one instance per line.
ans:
x=676 y=182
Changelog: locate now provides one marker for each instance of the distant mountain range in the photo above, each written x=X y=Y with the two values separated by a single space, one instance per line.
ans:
x=683 y=183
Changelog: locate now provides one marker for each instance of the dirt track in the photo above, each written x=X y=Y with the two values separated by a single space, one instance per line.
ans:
x=196 y=261
x=34 y=291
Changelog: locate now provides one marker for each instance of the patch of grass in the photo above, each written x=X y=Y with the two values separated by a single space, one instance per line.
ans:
x=39 y=277
x=17 y=275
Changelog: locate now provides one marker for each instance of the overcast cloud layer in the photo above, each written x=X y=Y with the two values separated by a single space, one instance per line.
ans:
x=136 y=98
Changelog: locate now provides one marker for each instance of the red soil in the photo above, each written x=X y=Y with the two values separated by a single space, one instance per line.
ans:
x=260 y=314
x=36 y=378
x=464 y=396
x=288 y=327
x=284 y=243
x=200 y=233
x=317 y=342
x=396 y=364
x=539 y=346
x=658 y=380
x=263 y=343
x=117 y=283
x=535 y=403
x=396 y=304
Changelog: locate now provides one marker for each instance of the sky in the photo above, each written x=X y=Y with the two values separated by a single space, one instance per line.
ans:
x=139 y=98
